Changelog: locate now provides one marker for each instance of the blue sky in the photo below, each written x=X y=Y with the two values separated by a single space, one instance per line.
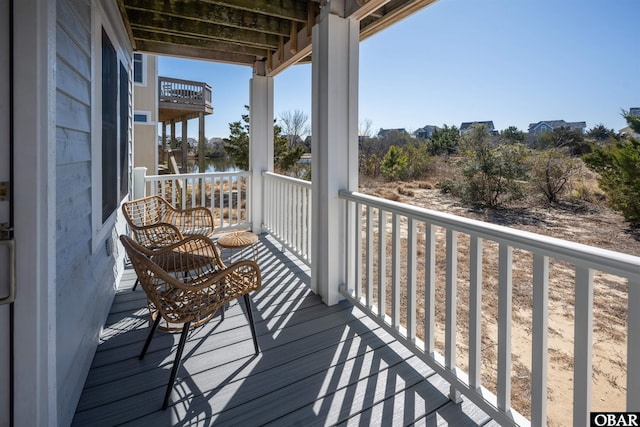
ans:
x=511 y=61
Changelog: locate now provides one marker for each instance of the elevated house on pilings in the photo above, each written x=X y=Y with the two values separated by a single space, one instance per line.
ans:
x=178 y=102
x=66 y=167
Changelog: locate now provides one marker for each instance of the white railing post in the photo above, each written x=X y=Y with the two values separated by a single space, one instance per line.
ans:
x=450 y=310
x=475 y=312
x=633 y=346
x=382 y=263
x=505 y=287
x=583 y=340
x=139 y=182
x=539 y=345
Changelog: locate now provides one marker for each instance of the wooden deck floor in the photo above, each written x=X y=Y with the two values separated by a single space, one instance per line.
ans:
x=318 y=365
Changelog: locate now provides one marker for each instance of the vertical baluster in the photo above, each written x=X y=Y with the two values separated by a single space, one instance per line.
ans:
x=203 y=191
x=429 y=288
x=395 y=275
x=349 y=215
x=411 y=279
x=247 y=201
x=280 y=209
x=358 y=249
x=230 y=200
x=633 y=345
x=382 y=263
x=303 y=230
x=309 y=222
x=221 y=199
x=268 y=201
x=296 y=217
x=475 y=313
x=369 y=256
x=183 y=186
x=539 y=344
x=289 y=215
x=582 y=368
x=505 y=286
x=450 y=311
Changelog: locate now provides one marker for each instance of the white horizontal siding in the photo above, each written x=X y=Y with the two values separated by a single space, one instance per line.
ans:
x=85 y=280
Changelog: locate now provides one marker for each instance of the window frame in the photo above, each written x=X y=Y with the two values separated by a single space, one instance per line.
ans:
x=143 y=69
x=101 y=20
x=146 y=114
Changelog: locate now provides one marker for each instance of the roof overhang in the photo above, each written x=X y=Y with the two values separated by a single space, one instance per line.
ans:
x=268 y=35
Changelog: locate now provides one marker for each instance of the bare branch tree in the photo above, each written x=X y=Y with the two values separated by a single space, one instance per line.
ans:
x=364 y=128
x=294 y=126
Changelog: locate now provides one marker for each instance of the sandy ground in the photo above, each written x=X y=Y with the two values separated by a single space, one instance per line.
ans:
x=583 y=222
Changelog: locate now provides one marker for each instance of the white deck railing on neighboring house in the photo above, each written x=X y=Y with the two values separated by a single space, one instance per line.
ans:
x=227 y=194
x=287 y=213
x=402 y=252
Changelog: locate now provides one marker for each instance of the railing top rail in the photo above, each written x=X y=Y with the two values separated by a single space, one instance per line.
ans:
x=182 y=81
x=301 y=182
x=617 y=263
x=194 y=175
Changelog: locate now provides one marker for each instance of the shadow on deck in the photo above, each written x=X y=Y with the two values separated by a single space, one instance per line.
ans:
x=318 y=365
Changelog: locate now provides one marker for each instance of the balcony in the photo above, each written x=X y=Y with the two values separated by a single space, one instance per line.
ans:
x=182 y=99
x=407 y=343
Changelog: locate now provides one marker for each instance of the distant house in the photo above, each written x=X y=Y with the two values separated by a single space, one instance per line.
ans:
x=549 y=125
x=465 y=127
x=426 y=131
x=633 y=112
x=386 y=132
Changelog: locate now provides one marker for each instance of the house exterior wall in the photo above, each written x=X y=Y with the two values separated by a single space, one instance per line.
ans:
x=86 y=271
x=145 y=135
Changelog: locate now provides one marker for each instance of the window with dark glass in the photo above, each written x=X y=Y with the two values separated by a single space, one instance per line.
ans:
x=137 y=67
x=124 y=131
x=142 y=118
x=109 y=127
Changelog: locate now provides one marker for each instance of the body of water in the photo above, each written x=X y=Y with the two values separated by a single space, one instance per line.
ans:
x=221 y=164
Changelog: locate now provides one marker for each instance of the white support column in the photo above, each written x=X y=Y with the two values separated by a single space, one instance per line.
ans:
x=260 y=142
x=35 y=390
x=334 y=146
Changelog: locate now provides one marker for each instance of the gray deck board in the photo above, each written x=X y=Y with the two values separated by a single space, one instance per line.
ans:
x=318 y=365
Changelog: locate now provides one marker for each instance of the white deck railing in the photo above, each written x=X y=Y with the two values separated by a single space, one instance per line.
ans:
x=386 y=239
x=287 y=213
x=227 y=194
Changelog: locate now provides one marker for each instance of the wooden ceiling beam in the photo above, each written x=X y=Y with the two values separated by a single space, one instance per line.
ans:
x=198 y=42
x=149 y=20
x=285 y=9
x=158 y=48
x=212 y=14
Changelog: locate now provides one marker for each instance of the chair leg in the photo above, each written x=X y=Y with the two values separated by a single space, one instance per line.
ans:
x=176 y=364
x=247 y=302
x=150 y=336
x=135 y=285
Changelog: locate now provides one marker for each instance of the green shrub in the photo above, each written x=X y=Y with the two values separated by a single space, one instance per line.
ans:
x=492 y=174
x=394 y=164
x=619 y=169
x=551 y=171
